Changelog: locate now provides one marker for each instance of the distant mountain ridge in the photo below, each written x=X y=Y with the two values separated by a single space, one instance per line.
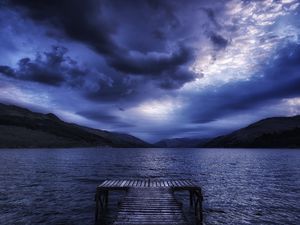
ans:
x=275 y=132
x=22 y=128
x=181 y=143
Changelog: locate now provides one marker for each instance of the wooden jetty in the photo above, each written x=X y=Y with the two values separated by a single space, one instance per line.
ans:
x=149 y=202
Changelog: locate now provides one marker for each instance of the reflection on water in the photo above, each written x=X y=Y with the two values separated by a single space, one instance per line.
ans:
x=57 y=186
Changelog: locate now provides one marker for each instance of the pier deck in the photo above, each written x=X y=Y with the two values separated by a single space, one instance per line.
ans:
x=149 y=202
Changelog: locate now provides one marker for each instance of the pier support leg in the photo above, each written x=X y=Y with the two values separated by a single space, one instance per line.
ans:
x=101 y=198
x=97 y=207
x=191 y=198
x=106 y=199
x=198 y=207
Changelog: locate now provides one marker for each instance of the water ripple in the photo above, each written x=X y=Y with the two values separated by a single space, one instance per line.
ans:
x=241 y=186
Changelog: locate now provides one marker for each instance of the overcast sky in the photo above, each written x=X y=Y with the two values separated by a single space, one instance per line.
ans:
x=154 y=69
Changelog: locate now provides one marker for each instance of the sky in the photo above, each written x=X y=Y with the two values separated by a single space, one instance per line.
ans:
x=152 y=68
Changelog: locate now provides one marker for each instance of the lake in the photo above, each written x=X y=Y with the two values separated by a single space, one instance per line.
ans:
x=240 y=186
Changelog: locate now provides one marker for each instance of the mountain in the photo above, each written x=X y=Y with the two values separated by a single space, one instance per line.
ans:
x=119 y=139
x=22 y=128
x=181 y=143
x=276 y=132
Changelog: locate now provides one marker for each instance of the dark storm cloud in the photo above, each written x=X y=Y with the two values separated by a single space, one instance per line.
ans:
x=83 y=22
x=280 y=80
x=51 y=68
x=167 y=70
x=56 y=68
x=6 y=70
x=95 y=23
x=114 y=89
x=218 y=40
x=134 y=89
x=212 y=16
x=152 y=63
x=176 y=78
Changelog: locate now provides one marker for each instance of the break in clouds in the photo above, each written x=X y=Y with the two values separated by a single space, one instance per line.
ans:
x=155 y=69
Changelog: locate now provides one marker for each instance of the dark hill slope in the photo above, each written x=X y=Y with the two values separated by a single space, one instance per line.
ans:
x=21 y=128
x=276 y=132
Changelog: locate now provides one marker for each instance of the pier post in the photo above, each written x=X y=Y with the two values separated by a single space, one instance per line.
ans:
x=191 y=198
x=198 y=206
x=106 y=199
x=97 y=206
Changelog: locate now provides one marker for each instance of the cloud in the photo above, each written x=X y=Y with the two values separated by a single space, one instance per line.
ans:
x=152 y=63
x=212 y=16
x=6 y=70
x=114 y=89
x=279 y=80
x=56 y=68
x=215 y=59
x=52 y=68
x=174 y=79
x=94 y=24
x=83 y=22
x=253 y=30
x=103 y=116
x=218 y=41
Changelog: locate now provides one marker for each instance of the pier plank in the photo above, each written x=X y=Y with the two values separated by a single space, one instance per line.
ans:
x=150 y=206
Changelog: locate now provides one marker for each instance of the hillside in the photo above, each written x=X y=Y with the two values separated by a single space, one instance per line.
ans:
x=276 y=132
x=22 y=128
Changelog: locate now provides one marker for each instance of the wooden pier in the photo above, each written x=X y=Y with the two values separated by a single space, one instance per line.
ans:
x=149 y=202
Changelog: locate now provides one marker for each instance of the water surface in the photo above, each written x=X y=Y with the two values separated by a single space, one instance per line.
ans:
x=241 y=186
